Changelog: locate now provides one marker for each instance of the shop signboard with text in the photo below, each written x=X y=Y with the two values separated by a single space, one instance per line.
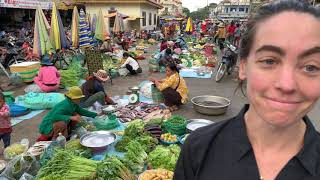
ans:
x=26 y=4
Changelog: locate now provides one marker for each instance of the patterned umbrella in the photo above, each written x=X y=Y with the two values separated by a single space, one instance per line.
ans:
x=75 y=27
x=41 y=41
x=57 y=34
x=100 y=31
x=84 y=32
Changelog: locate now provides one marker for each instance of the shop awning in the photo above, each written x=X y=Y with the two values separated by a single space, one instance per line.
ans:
x=132 y=18
x=114 y=14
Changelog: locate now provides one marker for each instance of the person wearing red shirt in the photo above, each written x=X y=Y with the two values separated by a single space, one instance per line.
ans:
x=231 y=30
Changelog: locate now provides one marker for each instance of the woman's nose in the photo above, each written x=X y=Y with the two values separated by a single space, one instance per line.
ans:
x=286 y=80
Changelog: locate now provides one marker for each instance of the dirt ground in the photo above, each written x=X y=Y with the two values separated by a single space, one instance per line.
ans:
x=226 y=88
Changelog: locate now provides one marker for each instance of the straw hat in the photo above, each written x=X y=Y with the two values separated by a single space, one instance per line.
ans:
x=102 y=75
x=75 y=93
x=45 y=60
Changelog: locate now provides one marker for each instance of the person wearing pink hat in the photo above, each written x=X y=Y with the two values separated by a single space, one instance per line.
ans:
x=93 y=90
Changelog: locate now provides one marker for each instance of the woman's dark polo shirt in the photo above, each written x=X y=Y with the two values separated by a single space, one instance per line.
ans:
x=222 y=151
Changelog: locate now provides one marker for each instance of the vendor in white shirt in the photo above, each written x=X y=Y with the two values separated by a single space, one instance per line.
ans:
x=131 y=64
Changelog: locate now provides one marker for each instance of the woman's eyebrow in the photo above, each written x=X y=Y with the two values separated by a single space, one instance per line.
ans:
x=271 y=48
x=309 y=52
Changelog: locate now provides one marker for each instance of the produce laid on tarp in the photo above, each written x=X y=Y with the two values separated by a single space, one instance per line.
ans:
x=37 y=101
x=140 y=149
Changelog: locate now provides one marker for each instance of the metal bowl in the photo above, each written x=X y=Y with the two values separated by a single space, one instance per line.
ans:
x=210 y=105
x=98 y=140
x=194 y=124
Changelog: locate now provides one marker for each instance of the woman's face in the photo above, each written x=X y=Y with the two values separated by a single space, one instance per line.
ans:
x=169 y=72
x=283 y=68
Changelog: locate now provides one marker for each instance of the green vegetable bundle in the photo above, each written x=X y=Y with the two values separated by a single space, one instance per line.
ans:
x=135 y=132
x=135 y=157
x=67 y=166
x=113 y=169
x=176 y=125
x=164 y=157
x=79 y=150
x=69 y=78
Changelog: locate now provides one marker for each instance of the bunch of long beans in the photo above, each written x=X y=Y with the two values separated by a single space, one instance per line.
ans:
x=65 y=165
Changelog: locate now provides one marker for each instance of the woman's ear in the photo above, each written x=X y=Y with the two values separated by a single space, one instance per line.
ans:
x=243 y=69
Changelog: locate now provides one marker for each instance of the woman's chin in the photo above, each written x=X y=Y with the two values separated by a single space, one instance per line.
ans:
x=279 y=119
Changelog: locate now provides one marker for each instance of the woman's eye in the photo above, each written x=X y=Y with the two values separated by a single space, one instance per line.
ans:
x=268 y=62
x=311 y=68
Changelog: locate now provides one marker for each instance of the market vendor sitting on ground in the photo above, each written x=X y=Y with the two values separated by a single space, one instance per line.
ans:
x=48 y=78
x=107 y=45
x=65 y=115
x=173 y=88
x=131 y=64
x=164 y=57
x=93 y=90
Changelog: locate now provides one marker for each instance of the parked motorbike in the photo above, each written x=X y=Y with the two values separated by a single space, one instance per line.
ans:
x=227 y=63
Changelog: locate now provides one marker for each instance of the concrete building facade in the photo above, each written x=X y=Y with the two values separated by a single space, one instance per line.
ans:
x=143 y=14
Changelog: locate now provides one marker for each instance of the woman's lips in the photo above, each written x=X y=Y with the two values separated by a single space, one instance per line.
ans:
x=283 y=104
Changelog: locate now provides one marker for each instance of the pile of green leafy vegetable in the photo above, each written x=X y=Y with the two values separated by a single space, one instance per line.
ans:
x=112 y=168
x=65 y=165
x=135 y=131
x=164 y=157
x=79 y=150
x=135 y=157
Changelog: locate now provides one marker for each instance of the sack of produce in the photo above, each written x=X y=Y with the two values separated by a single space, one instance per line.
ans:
x=176 y=125
x=14 y=150
x=105 y=123
x=21 y=164
x=145 y=89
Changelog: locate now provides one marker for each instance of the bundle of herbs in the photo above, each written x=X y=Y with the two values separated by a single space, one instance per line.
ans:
x=112 y=168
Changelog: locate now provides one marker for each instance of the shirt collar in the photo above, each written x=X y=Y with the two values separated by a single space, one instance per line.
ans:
x=308 y=155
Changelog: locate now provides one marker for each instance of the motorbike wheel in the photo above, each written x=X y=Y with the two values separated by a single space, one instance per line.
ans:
x=221 y=71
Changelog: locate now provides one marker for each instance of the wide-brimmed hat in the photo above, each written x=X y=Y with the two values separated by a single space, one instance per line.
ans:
x=102 y=75
x=75 y=93
x=107 y=38
x=45 y=60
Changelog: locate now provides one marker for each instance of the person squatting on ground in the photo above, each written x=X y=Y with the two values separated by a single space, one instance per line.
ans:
x=131 y=64
x=173 y=88
x=93 y=90
x=64 y=116
x=48 y=78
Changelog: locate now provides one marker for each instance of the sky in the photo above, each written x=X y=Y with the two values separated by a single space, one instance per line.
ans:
x=193 y=5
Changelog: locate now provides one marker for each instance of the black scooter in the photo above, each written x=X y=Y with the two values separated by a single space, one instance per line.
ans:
x=227 y=63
